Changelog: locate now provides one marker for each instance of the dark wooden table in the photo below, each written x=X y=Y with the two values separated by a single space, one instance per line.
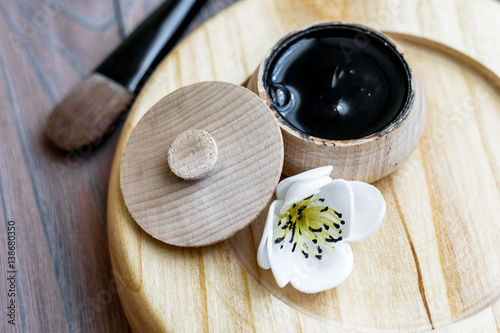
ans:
x=54 y=259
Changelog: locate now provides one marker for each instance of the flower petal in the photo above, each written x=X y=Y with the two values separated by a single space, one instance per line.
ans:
x=285 y=184
x=302 y=189
x=369 y=211
x=263 y=254
x=329 y=272
x=338 y=195
x=287 y=264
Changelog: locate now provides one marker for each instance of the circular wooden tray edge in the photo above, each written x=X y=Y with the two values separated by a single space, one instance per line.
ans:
x=121 y=270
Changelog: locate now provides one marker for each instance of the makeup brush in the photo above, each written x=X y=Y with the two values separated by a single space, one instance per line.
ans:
x=88 y=112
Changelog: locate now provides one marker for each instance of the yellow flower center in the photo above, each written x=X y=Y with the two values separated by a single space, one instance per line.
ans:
x=309 y=226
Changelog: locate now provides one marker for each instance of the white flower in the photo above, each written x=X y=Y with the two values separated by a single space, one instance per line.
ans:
x=308 y=227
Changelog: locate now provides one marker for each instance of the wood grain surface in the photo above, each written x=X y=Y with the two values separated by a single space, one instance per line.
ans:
x=435 y=262
x=58 y=200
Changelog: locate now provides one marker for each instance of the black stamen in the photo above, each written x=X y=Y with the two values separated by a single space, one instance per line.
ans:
x=326 y=226
x=336 y=225
x=309 y=197
x=294 y=246
x=314 y=241
x=338 y=214
x=342 y=222
x=324 y=209
x=333 y=240
x=305 y=254
x=320 y=250
x=279 y=240
x=290 y=218
x=319 y=257
x=315 y=230
x=322 y=199
x=293 y=232
x=294 y=205
x=340 y=231
x=299 y=212
x=279 y=223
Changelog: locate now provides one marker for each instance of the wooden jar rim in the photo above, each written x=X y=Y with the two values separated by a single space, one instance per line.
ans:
x=295 y=35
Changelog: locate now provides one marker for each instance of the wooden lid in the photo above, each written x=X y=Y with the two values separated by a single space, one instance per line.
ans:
x=220 y=133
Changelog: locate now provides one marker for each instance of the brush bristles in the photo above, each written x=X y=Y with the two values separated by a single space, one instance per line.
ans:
x=87 y=113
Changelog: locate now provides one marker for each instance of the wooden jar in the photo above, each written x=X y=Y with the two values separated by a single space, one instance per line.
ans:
x=368 y=158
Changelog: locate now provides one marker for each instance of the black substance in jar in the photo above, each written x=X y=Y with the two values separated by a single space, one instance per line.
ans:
x=337 y=82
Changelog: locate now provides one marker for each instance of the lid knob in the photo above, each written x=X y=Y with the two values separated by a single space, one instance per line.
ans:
x=192 y=154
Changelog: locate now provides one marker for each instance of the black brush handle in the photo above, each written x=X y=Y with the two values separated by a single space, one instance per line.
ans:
x=132 y=62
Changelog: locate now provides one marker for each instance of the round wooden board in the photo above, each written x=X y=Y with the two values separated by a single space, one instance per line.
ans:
x=435 y=262
x=208 y=210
